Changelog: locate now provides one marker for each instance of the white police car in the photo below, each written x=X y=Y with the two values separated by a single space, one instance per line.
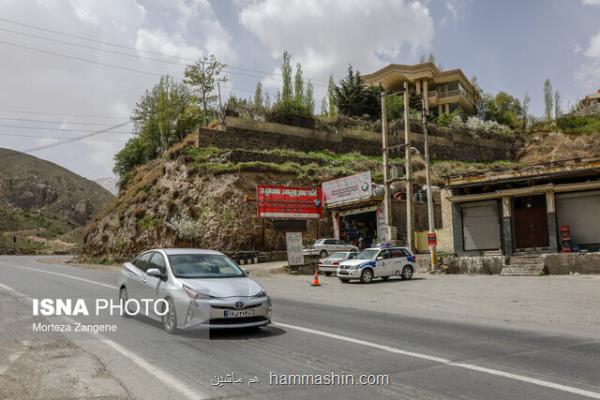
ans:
x=378 y=262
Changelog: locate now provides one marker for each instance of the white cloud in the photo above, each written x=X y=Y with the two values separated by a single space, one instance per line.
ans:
x=588 y=74
x=327 y=35
x=591 y=2
x=34 y=81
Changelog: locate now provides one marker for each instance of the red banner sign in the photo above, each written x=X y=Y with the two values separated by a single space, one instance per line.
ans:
x=288 y=202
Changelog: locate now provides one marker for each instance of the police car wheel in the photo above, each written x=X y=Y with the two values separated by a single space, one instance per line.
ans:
x=366 y=276
x=407 y=273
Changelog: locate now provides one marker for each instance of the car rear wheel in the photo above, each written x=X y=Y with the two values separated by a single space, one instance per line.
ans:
x=323 y=253
x=366 y=276
x=123 y=297
x=169 y=320
x=407 y=273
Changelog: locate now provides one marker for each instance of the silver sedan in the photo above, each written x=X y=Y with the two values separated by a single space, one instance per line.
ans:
x=192 y=288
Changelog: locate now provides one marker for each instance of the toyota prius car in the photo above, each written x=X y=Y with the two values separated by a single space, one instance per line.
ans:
x=192 y=288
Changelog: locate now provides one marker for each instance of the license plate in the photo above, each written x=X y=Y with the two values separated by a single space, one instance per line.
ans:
x=238 y=313
x=342 y=272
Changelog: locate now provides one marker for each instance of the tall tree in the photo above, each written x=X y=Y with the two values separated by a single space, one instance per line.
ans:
x=163 y=116
x=331 y=97
x=203 y=76
x=309 y=100
x=525 y=108
x=324 y=106
x=258 y=96
x=286 y=75
x=298 y=84
x=557 y=105
x=267 y=101
x=353 y=99
x=548 y=99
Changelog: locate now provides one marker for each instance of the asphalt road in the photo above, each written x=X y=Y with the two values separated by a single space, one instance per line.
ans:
x=424 y=358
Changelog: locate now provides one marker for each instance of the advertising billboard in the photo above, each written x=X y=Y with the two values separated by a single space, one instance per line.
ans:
x=348 y=188
x=288 y=202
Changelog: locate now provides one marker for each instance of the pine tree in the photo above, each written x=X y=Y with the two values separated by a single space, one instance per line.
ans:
x=298 y=84
x=557 y=105
x=286 y=75
x=548 y=99
x=309 y=101
x=331 y=97
x=258 y=96
x=324 y=106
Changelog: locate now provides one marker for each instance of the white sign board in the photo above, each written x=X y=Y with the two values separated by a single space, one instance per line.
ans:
x=293 y=241
x=349 y=188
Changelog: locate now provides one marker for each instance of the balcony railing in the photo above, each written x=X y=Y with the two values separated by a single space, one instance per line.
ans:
x=449 y=93
x=431 y=93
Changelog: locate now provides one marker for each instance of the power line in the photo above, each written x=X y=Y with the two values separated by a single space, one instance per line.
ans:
x=89 y=135
x=123 y=46
x=53 y=121
x=62 y=114
x=63 y=137
x=137 y=56
x=101 y=63
x=65 y=129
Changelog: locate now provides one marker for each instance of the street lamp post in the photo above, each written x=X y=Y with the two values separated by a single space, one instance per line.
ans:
x=431 y=236
x=387 y=198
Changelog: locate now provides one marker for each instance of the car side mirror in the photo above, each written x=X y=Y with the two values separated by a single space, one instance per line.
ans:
x=246 y=271
x=155 y=272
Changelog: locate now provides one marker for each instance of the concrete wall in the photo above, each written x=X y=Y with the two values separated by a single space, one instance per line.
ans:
x=474 y=265
x=247 y=134
x=566 y=263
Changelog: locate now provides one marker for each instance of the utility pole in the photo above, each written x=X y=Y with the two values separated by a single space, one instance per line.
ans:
x=409 y=191
x=387 y=212
x=431 y=236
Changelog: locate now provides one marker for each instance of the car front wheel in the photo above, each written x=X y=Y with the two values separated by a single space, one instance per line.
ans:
x=366 y=276
x=407 y=273
x=169 y=320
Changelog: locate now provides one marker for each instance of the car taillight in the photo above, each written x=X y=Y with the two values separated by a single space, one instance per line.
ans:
x=335 y=263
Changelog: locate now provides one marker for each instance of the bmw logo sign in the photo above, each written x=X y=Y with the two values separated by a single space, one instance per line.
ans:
x=239 y=305
x=317 y=203
x=365 y=187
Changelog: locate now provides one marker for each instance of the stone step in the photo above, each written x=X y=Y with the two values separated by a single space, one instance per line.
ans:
x=520 y=260
x=523 y=270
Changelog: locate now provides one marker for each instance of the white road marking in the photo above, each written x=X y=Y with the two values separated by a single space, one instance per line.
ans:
x=158 y=373
x=445 y=361
x=389 y=349
x=59 y=274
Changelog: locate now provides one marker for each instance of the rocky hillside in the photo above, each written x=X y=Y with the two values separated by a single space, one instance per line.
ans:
x=41 y=204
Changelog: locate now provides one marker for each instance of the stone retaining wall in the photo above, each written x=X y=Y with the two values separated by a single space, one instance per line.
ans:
x=567 y=263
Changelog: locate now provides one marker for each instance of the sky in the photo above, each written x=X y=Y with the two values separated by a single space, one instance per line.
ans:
x=72 y=67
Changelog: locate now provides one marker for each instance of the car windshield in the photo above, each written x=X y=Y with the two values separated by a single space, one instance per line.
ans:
x=320 y=241
x=368 y=254
x=203 y=266
x=338 y=255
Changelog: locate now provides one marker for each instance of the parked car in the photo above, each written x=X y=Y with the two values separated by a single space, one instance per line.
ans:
x=202 y=288
x=330 y=264
x=324 y=247
x=378 y=262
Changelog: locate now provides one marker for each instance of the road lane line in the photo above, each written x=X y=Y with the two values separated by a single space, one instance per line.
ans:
x=158 y=373
x=59 y=274
x=389 y=349
x=448 y=362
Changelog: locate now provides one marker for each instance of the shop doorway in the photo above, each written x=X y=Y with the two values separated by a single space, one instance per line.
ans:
x=359 y=229
x=530 y=222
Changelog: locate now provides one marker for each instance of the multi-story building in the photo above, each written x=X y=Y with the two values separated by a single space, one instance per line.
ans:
x=444 y=91
x=590 y=104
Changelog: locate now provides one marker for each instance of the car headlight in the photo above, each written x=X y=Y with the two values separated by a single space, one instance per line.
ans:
x=355 y=266
x=192 y=294
x=262 y=293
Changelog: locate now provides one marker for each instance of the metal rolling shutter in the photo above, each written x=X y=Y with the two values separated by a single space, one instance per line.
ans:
x=481 y=226
x=581 y=212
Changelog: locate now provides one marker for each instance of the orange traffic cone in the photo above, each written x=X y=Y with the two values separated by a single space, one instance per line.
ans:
x=315 y=281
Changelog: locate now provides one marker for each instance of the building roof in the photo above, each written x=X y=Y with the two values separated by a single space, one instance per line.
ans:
x=556 y=169
x=414 y=72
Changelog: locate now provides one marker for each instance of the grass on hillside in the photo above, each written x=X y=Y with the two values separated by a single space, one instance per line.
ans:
x=579 y=124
